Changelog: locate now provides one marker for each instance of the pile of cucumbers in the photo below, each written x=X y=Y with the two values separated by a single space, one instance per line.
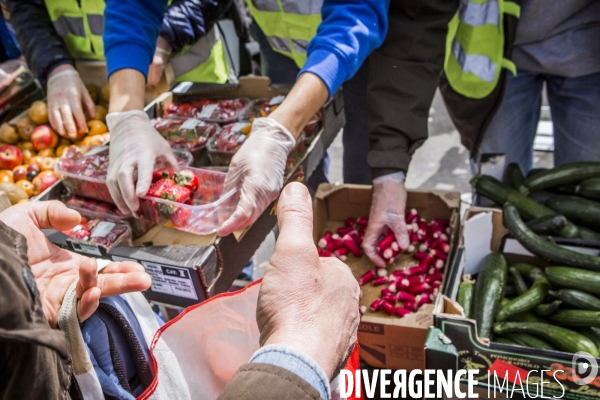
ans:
x=556 y=308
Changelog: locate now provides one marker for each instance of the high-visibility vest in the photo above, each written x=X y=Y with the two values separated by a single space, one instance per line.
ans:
x=475 y=46
x=80 y=23
x=289 y=25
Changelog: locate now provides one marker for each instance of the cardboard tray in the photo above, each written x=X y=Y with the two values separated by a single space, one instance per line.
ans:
x=223 y=258
x=385 y=341
x=482 y=232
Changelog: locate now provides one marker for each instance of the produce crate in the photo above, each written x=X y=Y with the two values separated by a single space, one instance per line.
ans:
x=482 y=232
x=386 y=341
x=222 y=258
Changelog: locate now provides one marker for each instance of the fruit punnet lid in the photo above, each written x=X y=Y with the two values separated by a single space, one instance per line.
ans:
x=93 y=165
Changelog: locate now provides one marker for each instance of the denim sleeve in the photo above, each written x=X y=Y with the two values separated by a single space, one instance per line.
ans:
x=349 y=32
x=296 y=362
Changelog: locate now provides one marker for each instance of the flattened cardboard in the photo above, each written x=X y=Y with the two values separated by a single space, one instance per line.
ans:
x=385 y=341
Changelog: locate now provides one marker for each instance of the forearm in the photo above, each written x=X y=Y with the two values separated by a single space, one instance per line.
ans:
x=127 y=89
x=306 y=97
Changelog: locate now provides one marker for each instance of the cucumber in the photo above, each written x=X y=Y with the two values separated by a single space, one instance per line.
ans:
x=564 y=339
x=577 y=209
x=489 y=291
x=565 y=174
x=578 y=318
x=465 y=295
x=525 y=339
x=574 y=278
x=577 y=299
x=542 y=248
x=533 y=297
x=592 y=333
x=530 y=209
x=590 y=188
x=505 y=340
x=536 y=171
x=513 y=176
x=588 y=234
x=524 y=269
x=518 y=281
x=547 y=309
x=548 y=224
x=525 y=317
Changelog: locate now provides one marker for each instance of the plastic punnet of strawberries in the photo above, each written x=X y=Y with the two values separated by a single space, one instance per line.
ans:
x=100 y=232
x=222 y=111
x=189 y=134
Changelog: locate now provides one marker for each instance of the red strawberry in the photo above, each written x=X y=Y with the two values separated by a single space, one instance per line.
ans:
x=163 y=173
x=180 y=217
x=178 y=194
x=187 y=179
x=160 y=187
x=187 y=110
x=172 y=108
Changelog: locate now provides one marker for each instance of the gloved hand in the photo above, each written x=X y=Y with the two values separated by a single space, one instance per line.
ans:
x=258 y=168
x=306 y=302
x=161 y=57
x=387 y=210
x=66 y=92
x=135 y=146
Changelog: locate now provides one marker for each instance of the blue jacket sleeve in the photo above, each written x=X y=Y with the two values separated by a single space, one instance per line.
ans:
x=130 y=32
x=349 y=32
x=186 y=21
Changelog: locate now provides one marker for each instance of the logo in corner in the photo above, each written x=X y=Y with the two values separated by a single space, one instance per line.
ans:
x=585 y=368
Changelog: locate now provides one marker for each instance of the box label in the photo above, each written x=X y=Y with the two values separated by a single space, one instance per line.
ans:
x=102 y=229
x=87 y=248
x=171 y=280
x=189 y=124
x=207 y=111
x=369 y=327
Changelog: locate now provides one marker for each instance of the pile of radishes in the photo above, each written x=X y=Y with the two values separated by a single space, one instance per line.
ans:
x=406 y=290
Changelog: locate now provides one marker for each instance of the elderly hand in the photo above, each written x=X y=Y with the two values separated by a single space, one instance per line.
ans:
x=55 y=269
x=306 y=302
x=387 y=209
x=66 y=92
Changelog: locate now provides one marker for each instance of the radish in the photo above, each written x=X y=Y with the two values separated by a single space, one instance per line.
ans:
x=344 y=230
x=385 y=242
x=334 y=244
x=405 y=296
x=411 y=216
x=362 y=221
x=434 y=277
x=382 y=272
x=409 y=305
x=349 y=222
x=324 y=253
x=418 y=288
x=325 y=239
x=351 y=245
x=386 y=292
x=376 y=304
x=415 y=270
x=380 y=281
x=420 y=255
x=341 y=253
x=389 y=308
x=390 y=298
x=354 y=235
x=366 y=277
x=401 y=312
x=362 y=310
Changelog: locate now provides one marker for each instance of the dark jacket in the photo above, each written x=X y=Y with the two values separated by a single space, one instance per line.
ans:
x=404 y=74
x=35 y=361
x=184 y=23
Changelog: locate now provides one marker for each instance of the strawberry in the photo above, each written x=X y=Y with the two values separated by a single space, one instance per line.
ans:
x=178 y=194
x=180 y=217
x=160 y=187
x=163 y=173
x=171 y=109
x=187 y=179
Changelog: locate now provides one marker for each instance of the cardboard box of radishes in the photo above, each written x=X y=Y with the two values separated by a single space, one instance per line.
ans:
x=396 y=302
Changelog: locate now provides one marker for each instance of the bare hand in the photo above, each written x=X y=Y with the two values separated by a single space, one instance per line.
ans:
x=55 y=269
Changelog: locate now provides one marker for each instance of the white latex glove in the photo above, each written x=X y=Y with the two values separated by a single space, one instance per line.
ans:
x=161 y=57
x=306 y=302
x=135 y=146
x=66 y=92
x=258 y=168
x=387 y=210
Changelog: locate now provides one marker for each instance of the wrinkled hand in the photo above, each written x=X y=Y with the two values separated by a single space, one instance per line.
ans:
x=55 y=269
x=66 y=92
x=160 y=60
x=306 y=302
x=135 y=146
x=258 y=168
x=387 y=210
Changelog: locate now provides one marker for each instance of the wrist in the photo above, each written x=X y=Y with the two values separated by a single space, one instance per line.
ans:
x=397 y=176
x=127 y=90
x=60 y=66
x=163 y=45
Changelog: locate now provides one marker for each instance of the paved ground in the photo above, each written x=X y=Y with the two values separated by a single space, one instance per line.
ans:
x=441 y=163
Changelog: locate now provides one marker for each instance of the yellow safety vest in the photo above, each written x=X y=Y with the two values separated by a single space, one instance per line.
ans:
x=475 y=46
x=289 y=25
x=81 y=24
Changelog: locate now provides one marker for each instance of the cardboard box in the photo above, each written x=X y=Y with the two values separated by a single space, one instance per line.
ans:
x=482 y=232
x=231 y=253
x=385 y=342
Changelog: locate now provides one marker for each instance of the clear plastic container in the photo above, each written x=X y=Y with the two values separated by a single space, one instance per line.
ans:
x=93 y=209
x=187 y=134
x=222 y=146
x=85 y=174
x=221 y=111
x=93 y=235
x=209 y=208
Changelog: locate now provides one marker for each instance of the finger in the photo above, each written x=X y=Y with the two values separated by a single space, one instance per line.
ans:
x=144 y=179
x=234 y=178
x=238 y=220
x=69 y=124
x=168 y=157
x=153 y=75
x=56 y=121
x=119 y=283
x=89 y=103
x=51 y=214
x=398 y=226
x=295 y=216
x=112 y=181
x=88 y=303
x=122 y=267
x=79 y=117
x=374 y=231
x=88 y=276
